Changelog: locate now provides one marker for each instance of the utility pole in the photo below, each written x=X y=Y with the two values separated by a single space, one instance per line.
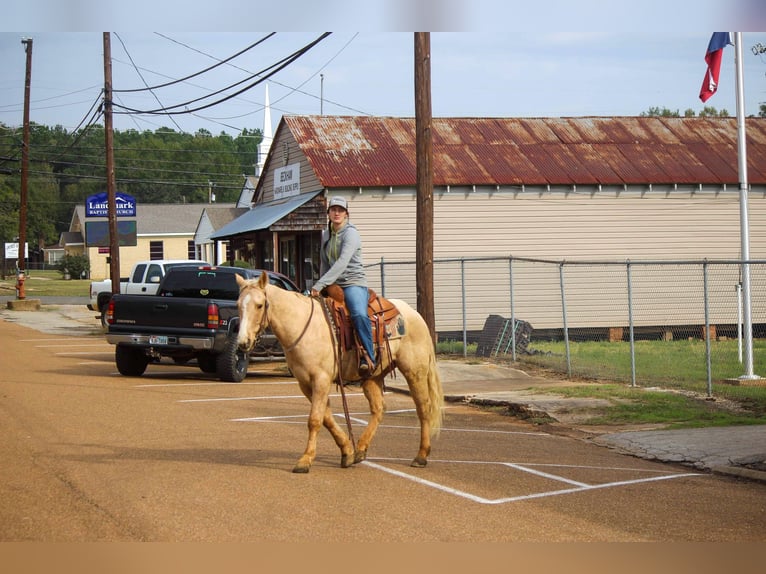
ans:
x=111 y=194
x=20 y=263
x=424 y=274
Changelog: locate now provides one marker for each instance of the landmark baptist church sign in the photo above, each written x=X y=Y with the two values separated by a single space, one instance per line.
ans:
x=98 y=205
x=97 y=232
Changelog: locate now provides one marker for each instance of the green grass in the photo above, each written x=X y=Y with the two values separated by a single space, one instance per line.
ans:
x=47 y=283
x=673 y=365
x=667 y=362
x=634 y=405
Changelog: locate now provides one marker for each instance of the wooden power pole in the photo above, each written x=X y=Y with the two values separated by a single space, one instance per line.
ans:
x=424 y=274
x=23 y=198
x=111 y=194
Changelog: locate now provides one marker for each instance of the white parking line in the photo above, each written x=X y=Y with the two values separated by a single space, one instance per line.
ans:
x=580 y=487
x=206 y=384
x=68 y=345
x=258 y=398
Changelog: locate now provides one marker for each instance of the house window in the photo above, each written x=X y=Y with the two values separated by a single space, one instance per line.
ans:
x=191 y=250
x=156 y=250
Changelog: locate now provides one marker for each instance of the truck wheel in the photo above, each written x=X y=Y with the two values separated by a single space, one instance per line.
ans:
x=103 y=304
x=232 y=362
x=130 y=362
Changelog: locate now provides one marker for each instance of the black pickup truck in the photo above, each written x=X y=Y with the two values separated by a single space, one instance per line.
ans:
x=193 y=317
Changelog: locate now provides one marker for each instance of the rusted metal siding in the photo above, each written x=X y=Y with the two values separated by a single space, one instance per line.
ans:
x=380 y=151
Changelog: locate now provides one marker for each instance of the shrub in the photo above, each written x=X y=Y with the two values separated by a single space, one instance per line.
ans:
x=76 y=266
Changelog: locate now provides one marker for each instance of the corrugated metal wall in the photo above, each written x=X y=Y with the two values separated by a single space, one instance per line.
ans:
x=554 y=226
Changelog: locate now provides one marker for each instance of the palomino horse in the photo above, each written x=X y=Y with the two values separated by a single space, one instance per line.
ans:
x=300 y=325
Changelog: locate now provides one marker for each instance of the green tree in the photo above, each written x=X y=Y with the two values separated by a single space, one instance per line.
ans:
x=660 y=112
x=706 y=112
x=159 y=166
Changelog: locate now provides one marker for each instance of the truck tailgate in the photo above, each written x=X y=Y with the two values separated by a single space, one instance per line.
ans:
x=159 y=313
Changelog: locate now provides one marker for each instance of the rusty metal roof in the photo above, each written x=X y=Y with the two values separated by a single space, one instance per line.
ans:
x=354 y=151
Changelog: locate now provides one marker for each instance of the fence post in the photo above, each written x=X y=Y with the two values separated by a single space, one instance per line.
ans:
x=383 y=276
x=462 y=298
x=513 y=311
x=707 y=329
x=564 y=316
x=630 y=327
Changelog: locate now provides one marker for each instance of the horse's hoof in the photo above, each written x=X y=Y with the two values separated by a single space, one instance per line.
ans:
x=345 y=461
x=419 y=462
x=359 y=456
x=301 y=469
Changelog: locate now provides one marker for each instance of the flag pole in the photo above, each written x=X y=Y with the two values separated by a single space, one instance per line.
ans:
x=744 y=230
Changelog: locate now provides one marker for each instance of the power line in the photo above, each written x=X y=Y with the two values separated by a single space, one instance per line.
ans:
x=180 y=80
x=151 y=90
x=278 y=67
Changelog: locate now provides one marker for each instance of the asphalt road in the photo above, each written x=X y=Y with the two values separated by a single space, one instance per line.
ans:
x=89 y=455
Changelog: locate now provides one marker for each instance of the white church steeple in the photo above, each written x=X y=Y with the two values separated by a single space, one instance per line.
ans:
x=263 y=147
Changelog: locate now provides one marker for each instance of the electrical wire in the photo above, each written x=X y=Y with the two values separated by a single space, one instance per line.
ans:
x=189 y=77
x=293 y=90
x=151 y=90
x=278 y=67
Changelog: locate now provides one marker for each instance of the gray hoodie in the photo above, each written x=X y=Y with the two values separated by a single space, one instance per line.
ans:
x=341 y=258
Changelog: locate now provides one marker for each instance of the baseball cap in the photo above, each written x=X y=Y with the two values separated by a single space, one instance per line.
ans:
x=339 y=201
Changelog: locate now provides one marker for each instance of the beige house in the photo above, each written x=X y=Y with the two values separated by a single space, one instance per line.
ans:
x=163 y=231
x=555 y=188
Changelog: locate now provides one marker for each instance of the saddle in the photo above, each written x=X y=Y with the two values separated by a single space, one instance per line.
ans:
x=382 y=315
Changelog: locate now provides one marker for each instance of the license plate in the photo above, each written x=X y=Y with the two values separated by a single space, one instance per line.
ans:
x=158 y=339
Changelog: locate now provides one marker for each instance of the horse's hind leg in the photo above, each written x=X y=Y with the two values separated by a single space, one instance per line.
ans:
x=419 y=394
x=373 y=391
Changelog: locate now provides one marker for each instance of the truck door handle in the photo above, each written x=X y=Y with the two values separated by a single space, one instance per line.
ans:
x=161 y=307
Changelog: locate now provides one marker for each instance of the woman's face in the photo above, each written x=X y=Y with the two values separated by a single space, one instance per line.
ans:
x=337 y=214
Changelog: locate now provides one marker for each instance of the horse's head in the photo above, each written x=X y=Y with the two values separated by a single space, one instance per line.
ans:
x=252 y=306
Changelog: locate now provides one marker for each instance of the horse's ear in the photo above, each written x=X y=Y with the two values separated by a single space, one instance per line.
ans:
x=241 y=281
x=263 y=280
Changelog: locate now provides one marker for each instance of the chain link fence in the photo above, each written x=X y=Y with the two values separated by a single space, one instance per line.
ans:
x=674 y=324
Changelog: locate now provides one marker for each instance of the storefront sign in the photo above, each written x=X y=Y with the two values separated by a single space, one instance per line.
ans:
x=287 y=181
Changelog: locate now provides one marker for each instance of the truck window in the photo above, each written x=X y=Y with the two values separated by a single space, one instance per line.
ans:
x=138 y=273
x=200 y=283
x=154 y=273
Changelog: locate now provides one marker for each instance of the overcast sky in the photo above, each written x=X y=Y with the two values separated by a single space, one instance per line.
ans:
x=525 y=70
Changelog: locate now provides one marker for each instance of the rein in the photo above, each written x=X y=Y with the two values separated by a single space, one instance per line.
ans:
x=335 y=336
x=305 y=327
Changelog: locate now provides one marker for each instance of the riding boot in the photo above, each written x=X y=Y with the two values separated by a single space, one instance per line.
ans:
x=366 y=366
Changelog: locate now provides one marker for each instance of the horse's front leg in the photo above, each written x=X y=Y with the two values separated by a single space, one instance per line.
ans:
x=373 y=391
x=319 y=401
x=321 y=414
x=341 y=438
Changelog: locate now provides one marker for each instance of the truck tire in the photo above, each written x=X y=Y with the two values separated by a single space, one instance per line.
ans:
x=232 y=363
x=103 y=305
x=130 y=362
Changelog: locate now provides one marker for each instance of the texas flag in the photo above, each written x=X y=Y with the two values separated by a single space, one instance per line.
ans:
x=713 y=58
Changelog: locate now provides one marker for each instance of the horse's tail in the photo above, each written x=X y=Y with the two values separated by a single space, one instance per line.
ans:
x=435 y=397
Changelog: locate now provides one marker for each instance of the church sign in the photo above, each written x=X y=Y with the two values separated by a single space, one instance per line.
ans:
x=98 y=205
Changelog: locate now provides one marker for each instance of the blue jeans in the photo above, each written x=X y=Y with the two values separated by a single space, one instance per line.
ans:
x=356 y=301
